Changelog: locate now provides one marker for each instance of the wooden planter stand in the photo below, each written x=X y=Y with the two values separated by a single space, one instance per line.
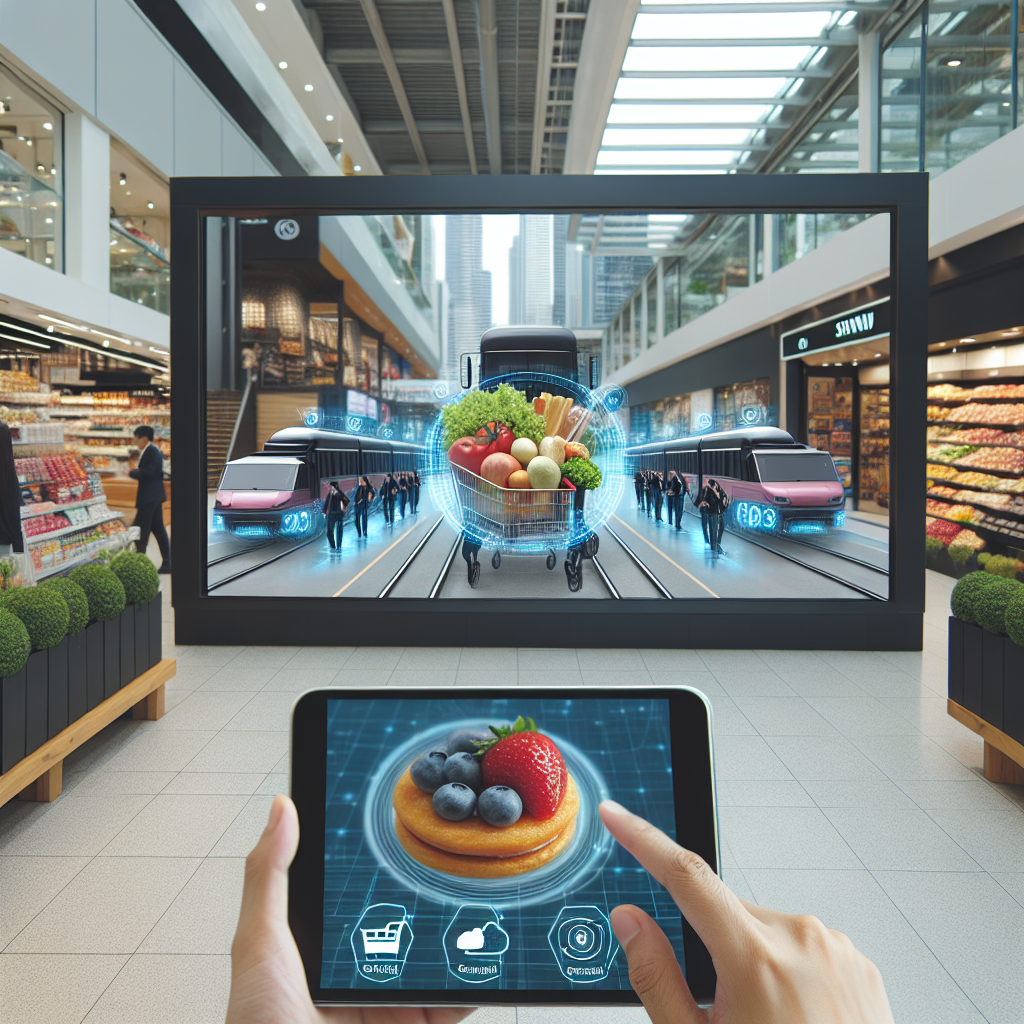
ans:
x=986 y=693
x=39 y=775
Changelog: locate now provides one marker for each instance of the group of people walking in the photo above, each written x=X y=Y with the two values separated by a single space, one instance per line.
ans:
x=402 y=490
x=653 y=492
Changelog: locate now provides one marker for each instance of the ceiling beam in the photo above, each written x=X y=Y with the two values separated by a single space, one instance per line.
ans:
x=487 y=32
x=460 y=80
x=597 y=235
x=545 y=44
x=381 y=39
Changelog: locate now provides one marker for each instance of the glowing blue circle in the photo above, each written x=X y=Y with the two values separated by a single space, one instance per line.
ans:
x=770 y=518
x=755 y=516
x=311 y=419
x=441 y=390
x=703 y=421
x=609 y=443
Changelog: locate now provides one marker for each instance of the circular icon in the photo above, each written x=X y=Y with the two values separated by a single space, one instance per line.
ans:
x=580 y=939
x=287 y=230
x=441 y=389
x=802 y=344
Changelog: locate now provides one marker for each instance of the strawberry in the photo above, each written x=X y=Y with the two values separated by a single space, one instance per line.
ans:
x=523 y=759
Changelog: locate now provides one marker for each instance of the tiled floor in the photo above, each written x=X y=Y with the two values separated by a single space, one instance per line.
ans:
x=845 y=789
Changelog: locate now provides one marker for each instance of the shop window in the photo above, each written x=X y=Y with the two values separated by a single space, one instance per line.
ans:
x=901 y=95
x=31 y=174
x=830 y=422
x=140 y=208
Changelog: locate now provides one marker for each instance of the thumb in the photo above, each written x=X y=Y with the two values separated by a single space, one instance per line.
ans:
x=264 y=914
x=654 y=970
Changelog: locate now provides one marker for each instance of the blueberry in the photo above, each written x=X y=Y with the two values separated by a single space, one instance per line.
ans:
x=428 y=771
x=500 y=805
x=462 y=740
x=464 y=768
x=454 y=802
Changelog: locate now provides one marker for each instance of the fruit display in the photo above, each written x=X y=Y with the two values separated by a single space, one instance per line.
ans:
x=942 y=530
x=947 y=392
x=1001 y=460
x=1005 y=414
x=948 y=454
x=937 y=413
x=15 y=381
x=487 y=804
x=941 y=472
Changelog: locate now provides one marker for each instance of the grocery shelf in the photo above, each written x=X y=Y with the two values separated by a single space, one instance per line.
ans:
x=71 y=529
x=98 y=433
x=67 y=564
x=25 y=397
x=60 y=508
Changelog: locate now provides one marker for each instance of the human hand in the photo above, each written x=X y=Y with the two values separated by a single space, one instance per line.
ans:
x=268 y=983
x=773 y=968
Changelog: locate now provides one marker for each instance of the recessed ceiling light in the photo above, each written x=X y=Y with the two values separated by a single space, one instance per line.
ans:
x=878 y=355
x=341 y=140
x=122 y=179
x=954 y=350
x=965 y=341
x=282 y=64
x=330 y=117
x=150 y=205
x=48 y=126
x=357 y=168
x=127 y=193
x=106 y=344
x=261 y=7
x=308 y=87
x=1007 y=334
x=953 y=62
x=942 y=344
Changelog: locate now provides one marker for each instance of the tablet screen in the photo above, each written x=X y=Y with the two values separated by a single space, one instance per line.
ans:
x=454 y=865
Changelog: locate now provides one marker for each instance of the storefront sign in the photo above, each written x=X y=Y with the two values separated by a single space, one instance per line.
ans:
x=865 y=323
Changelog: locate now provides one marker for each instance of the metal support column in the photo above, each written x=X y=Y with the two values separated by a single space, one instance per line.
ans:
x=869 y=79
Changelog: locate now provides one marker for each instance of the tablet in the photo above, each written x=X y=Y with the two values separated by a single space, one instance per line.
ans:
x=451 y=851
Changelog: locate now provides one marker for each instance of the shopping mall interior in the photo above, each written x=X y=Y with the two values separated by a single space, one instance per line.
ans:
x=625 y=400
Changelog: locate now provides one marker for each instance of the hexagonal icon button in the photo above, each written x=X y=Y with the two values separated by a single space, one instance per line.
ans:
x=475 y=943
x=381 y=940
x=583 y=943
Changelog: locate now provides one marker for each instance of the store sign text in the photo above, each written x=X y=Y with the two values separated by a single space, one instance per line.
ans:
x=859 y=324
x=865 y=323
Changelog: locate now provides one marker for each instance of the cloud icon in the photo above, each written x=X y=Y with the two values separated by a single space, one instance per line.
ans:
x=477 y=941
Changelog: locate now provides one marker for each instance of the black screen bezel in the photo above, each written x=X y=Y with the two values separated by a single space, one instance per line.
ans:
x=696 y=828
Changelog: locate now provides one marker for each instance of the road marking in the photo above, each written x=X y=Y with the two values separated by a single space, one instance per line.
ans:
x=376 y=560
x=667 y=559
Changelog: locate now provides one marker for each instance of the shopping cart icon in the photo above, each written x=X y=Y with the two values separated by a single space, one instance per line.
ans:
x=383 y=940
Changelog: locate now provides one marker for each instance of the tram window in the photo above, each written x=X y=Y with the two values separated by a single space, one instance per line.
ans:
x=812 y=466
x=302 y=480
x=558 y=364
x=260 y=476
x=722 y=463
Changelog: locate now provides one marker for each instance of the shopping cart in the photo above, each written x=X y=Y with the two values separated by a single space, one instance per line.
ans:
x=383 y=940
x=521 y=520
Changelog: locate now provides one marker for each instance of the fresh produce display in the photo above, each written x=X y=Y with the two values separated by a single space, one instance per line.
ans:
x=544 y=473
x=15 y=646
x=14 y=381
x=581 y=472
x=506 y=806
x=1006 y=414
x=937 y=413
x=942 y=530
x=947 y=392
x=975 y=435
x=941 y=472
x=1002 y=460
x=44 y=613
x=505 y=405
x=965 y=544
x=1000 y=565
x=947 y=454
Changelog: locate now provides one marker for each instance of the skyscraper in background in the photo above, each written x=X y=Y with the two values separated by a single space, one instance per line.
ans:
x=530 y=272
x=469 y=288
x=559 y=237
x=516 y=315
x=613 y=281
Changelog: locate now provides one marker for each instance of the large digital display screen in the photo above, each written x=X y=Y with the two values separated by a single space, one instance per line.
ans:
x=474 y=406
x=463 y=848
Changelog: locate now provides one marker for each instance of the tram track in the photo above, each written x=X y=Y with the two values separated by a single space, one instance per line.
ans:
x=840 y=554
x=259 y=565
x=240 y=551
x=392 y=583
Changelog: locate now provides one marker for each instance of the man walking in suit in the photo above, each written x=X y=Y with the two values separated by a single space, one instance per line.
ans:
x=150 y=498
x=335 y=504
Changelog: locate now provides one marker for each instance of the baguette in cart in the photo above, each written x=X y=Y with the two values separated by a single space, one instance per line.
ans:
x=518 y=476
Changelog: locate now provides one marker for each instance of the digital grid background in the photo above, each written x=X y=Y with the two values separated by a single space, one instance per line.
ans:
x=628 y=738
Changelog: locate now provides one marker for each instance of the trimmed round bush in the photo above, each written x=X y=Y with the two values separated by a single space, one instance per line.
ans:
x=933 y=544
x=1000 y=565
x=45 y=614
x=15 y=645
x=965 y=594
x=1014 y=618
x=74 y=597
x=991 y=603
x=102 y=589
x=138 y=576
x=983 y=558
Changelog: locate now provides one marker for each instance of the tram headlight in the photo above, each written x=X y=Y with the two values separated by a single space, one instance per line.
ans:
x=753 y=516
x=289 y=523
x=839 y=519
x=218 y=523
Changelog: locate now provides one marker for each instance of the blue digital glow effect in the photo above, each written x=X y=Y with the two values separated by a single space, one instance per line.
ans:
x=839 y=519
x=807 y=526
x=296 y=523
x=752 y=516
x=504 y=532
x=312 y=419
x=703 y=421
x=251 y=530
x=218 y=523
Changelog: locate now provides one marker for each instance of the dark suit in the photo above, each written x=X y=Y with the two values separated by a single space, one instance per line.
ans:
x=658 y=489
x=363 y=496
x=149 y=501
x=335 y=505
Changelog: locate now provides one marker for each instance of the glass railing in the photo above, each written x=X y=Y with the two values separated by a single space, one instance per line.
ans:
x=140 y=270
x=30 y=214
x=397 y=242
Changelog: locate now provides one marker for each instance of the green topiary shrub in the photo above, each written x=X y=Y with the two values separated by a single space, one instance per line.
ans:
x=1000 y=565
x=15 y=645
x=1014 y=617
x=74 y=597
x=965 y=594
x=983 y=558
x=45 y=614
x=991 y=603
x=103 y=591
x=933 y=544
x=138 y=576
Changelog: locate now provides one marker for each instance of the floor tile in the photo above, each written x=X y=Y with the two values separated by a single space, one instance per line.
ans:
x=373 y=658
x=240 y=752
x=436 y=659
x=728 y=720
x=54 y=989
x=244 y=831
x=487 y=677
x=994 y=837
x=628 y=660
x=484 y=658
x=159 y=750
x=964 y=795
x=546 y=663
x=215 y=783
x=748 y=757
x=73 y=826
x=973 y=926
x=920 y=991
x=239 y=677
x=204 y=914
x=317 y=658
x=189 y=677
x=204 y=709
x=784 y=716
x=1013 y=883
x=262 y=657
x=862 y=716
x=358 y=676
x=749 y=793
x=162 y=989
x=217 y=657
x=615 y=678
x=266 y=711
x=176 y=826
x=295 y=680
x=28 y=884
x=912 y=757
x=108 y=907
x=276 y=782
x=701 y=680
x=658 y=660
x=106 y=783
x=784 y=837
x=423 y=677
x=812 y=758
x=898 y=839
x=581 y=1015
x=860 y=793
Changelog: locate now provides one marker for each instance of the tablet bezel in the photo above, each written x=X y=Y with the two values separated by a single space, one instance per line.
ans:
x=696 y=824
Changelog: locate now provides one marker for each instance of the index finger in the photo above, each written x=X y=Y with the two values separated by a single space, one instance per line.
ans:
x=711 y=907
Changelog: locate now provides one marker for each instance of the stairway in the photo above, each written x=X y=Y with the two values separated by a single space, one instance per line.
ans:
x=221 y=412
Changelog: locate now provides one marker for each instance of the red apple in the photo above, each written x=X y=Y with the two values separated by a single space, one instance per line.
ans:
x=498 y=467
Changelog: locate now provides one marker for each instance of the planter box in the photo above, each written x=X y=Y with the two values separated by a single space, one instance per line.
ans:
x=36 y=695
x=78 y=701
x=94 y=665
x=992 y=678
x=142 y=662
x=12 y=719
x=111 y=657
x=156 y=620
x=973 y=684
x=127 y=656
x=1013 y=690
x=57 y=689
x=956 y=660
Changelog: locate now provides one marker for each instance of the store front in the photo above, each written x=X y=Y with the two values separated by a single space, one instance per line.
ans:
x=72 y=402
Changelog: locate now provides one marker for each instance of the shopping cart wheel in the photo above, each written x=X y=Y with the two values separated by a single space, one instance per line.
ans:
x=474 y=574
x=574 y=576
x=551 y=560
x=496 y=560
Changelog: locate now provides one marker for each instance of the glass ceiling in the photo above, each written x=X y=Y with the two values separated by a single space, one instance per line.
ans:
x=711 y=87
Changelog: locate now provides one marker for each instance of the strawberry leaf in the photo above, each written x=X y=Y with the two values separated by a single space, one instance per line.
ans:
x=502 y=732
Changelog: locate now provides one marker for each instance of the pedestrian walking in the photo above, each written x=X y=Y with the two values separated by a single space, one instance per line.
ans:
x=648 y=496
x=403 y=492
x=415 y=492
x=335 y=505
x=388 y=491
x=363 y=496
x=638 y=486
x=658 y=487
x=150 y=497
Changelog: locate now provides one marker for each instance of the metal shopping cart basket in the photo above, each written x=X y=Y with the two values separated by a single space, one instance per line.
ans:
x=523 y=521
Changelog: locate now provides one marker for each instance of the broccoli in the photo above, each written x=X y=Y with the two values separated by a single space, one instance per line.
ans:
x=582 y=473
